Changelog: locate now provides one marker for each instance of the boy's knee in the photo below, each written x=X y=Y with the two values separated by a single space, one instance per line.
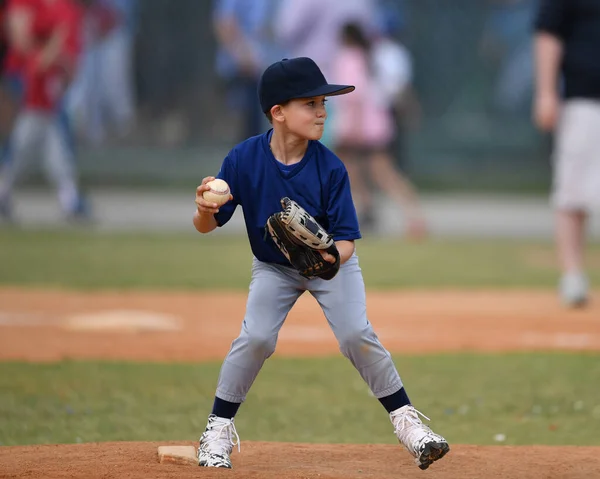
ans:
x=353 y=340
x=361 y=344
x=262 y=344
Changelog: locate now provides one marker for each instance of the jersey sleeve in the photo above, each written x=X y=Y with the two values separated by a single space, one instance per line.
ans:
x=228 y=173
x=343 y=222
x=551 y=17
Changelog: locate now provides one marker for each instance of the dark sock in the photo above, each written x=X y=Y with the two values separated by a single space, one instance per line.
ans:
x=395 y=401
x=225 y=409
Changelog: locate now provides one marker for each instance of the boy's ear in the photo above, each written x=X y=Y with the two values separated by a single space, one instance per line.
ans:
x=277 y=113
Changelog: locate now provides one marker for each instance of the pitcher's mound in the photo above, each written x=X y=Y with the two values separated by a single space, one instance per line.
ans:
x=132 y=460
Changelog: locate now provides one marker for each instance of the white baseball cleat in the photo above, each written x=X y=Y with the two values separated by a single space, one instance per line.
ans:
x=573 y=289
x=425 y=445
x=216 y=443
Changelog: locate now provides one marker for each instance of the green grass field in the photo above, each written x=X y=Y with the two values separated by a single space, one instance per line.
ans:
x=83 y=259
x=530 y=398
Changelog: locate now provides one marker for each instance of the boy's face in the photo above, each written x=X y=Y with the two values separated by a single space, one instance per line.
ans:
x=306 y=117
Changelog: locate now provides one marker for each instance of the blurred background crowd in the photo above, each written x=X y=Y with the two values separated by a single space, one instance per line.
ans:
x=158 y=88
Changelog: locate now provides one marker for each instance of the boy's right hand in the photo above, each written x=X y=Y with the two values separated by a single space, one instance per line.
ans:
x=206 y=208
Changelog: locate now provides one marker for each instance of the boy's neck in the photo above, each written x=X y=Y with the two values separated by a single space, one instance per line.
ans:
x=287 y=149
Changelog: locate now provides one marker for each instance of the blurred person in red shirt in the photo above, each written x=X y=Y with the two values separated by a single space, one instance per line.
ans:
x=44 y=41
x=27 y=24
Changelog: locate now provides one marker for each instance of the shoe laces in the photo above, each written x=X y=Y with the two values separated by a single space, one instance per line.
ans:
x=409 y=429
x=220 y=434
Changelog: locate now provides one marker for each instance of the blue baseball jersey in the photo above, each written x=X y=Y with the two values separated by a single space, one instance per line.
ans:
x=319 y=183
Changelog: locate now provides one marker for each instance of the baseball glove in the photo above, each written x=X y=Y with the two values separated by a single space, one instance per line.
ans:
x=300 y=238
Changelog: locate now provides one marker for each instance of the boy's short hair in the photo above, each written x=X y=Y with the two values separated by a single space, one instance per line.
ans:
x=287 y=80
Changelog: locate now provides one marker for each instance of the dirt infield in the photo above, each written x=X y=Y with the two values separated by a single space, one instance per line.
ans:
x=52 y=325
x=135 y=460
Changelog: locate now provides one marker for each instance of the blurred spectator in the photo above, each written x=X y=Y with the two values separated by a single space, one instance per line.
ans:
x=507 y=40
x=245 y=49
x=567 y=46
x=310 y=28
x=46 y=46
x=364 y=126
x=101 y=99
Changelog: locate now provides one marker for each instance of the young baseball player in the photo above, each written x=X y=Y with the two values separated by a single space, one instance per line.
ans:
x=289 y=161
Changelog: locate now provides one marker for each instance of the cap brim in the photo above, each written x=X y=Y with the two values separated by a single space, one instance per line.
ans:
x=328 y=90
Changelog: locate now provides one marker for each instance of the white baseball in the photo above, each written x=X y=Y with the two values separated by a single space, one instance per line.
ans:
x=218 y=193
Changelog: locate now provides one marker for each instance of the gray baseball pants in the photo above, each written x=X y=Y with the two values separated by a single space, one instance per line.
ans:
x=273 y=291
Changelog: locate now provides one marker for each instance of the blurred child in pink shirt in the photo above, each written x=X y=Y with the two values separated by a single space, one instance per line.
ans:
x=363 y=132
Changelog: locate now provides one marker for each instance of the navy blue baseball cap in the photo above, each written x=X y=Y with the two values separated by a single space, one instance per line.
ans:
x=293 y=78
